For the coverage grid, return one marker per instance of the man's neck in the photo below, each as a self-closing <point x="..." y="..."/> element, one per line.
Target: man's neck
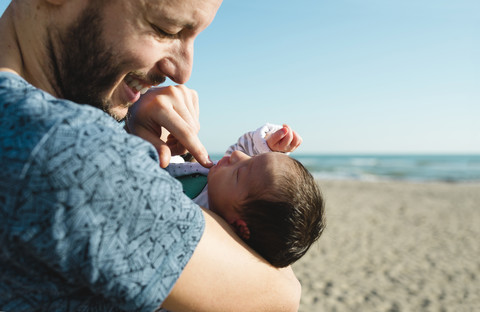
<point x="22" y="50"/>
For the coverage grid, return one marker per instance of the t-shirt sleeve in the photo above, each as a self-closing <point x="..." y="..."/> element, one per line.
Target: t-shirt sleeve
<point x="97" y="209"/>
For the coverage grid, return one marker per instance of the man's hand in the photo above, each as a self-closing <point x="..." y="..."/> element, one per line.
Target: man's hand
<point x="284" y="140"/>
<point x="176" y="109"/>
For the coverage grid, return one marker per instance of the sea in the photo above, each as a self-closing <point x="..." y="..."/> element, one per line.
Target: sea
<point x="379" y="167"/>
<point x="417" y="168"/>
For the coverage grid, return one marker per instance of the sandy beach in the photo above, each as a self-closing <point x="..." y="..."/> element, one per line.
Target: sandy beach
<point x="395" y="246"/>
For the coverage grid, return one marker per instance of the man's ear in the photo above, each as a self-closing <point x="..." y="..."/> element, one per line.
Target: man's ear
<point x="241" y="228"/>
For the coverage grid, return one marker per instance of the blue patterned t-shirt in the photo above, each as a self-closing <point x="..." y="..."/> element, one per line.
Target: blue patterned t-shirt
<point x="89" y="221"/>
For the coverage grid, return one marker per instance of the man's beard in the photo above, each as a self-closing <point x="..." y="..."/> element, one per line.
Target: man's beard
<point x="85" y="69"/>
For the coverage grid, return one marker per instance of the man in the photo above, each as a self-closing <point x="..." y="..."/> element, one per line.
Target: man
<point x="90" y="220"/>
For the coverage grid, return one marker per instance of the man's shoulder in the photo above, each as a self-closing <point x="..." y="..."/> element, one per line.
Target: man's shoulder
<point x="21" y="104"/>
<point x="27" y="114"/>
<point x="35" y="123"/>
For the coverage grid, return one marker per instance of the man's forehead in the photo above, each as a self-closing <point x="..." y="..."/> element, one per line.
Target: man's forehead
<point x="184" y="13"/>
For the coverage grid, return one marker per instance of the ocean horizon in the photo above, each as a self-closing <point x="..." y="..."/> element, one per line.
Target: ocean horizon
<point x="454" y="168"/>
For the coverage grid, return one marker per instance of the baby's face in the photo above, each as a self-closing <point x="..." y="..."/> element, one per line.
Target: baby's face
<point x="231" y="179"/>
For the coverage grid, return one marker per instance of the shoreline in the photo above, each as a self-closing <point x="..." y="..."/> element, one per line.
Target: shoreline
<point x="395" y="246"/>
<point x="394" y="180"/>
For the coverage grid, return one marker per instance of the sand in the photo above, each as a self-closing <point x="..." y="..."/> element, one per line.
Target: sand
<point x="395" y="246"/>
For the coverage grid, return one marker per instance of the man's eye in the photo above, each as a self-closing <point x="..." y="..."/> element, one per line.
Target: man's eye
<point x="163" y="33"/>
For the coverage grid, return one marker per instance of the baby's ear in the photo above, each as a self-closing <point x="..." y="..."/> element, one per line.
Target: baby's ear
<point x="241" y="228"/>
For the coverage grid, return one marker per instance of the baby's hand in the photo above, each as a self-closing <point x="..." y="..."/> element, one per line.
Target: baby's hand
<point x="284" y="140"/>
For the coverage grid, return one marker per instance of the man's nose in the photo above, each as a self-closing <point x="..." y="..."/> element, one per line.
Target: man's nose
<point x="178" y="66"/>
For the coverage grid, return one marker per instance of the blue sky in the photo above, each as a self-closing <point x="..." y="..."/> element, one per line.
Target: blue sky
<point x="351" y="76"/>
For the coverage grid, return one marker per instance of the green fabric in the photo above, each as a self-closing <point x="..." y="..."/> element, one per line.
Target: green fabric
<point x="193" y="184"/>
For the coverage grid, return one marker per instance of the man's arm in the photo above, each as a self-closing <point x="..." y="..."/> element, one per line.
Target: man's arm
<point x="224" y="274"/>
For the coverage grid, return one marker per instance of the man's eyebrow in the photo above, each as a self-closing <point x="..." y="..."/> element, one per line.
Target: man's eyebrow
<point x="179" y="23"/>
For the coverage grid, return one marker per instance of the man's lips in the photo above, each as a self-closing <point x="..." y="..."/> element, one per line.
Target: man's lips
<point x="135" y="87"/>
<point x="137" y="84"/>
<point x="132" y="95"/>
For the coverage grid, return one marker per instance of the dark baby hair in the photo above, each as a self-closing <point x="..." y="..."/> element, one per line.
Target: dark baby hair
<point x="286" y="217"/>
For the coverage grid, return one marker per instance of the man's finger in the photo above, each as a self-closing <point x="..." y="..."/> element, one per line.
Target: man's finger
<point x="191" y="97"/>
<point x="189" y="110"/>
<point x="165" y="155"/>
<point x="188" y="137"/>
<point x="161" y="147"/>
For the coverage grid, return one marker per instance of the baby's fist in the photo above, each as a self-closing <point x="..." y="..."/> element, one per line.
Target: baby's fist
<point x="284" y="140"/>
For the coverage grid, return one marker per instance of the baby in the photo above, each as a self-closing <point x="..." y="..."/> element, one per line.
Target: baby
<point x="269" y="198"/>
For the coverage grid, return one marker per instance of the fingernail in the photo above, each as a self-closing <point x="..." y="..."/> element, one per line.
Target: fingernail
<point x="209" y="161"/>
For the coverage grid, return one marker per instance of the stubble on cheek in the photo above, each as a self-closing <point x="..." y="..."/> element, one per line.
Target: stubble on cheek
<point x="84" y="68"/>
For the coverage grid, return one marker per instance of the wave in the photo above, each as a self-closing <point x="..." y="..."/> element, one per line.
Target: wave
<point x="450" y="168"/>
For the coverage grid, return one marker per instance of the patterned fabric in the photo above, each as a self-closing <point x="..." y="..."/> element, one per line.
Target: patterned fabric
<point x="186" y="168"/>
<point x="89" y="220"/>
